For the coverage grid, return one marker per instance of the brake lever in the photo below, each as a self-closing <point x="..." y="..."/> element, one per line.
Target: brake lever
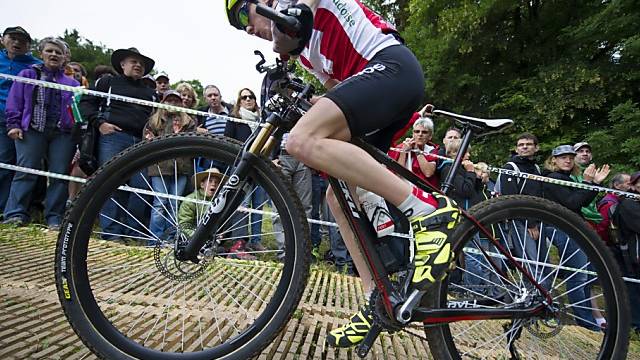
<point x="259" y="66"/>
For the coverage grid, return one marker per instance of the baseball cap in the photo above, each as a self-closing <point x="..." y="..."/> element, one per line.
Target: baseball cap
<point x="635" y="177"/>
<point x="162" y="76"/>
<point x="170" y="93"/>
<point x="577" y="146"/>
<point x="562" y="150"/>
<point x="17" y="30"/>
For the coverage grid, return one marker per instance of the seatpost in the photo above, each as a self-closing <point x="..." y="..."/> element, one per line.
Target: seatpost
<point x="466" y="139"/>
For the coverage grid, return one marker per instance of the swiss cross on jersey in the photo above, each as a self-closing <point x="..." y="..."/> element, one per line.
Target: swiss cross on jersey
<point x="346" y="36"/>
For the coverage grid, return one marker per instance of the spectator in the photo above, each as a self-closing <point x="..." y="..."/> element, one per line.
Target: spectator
<point x="424" y="166"/>
<point x="101" y="71"/>
<point x="216" y="106"/>
<point x="452" y="133"/>
<point x="189" y="96"/>
<point x="191" y="212"/>
<point x="121" y="127"/>
<point x="39" y="121"/>
<point x="162" y="84"/>
<point x="524" y="161"/>
<point x="150" y="82"/>
<point x="465" y="183"/>
<point x="627" y="217"/>
<point x="300" y="176"/>
<point x="479" y="274"/>
<point x="168" y="177"/>
<point x="14" y="58"/>
<point x="583" y="159"/>
<point x="607" y="205"/>
<point x="522" y="243"/>
<point x="79" y="72"/>
<point x="561" y="165"/>
<point x="246" y="108"/>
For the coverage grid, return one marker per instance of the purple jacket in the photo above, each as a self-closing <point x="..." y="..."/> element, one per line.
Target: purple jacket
<point x="20" y="100"/>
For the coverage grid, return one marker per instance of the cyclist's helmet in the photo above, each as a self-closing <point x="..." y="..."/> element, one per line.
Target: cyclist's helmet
<point x="238" y="12"/>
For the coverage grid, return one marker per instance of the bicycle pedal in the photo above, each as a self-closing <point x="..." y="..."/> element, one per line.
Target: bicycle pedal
<point x="365" y="346"/>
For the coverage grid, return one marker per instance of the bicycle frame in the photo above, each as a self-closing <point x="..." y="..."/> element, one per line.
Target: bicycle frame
<point x="363" y="232"/>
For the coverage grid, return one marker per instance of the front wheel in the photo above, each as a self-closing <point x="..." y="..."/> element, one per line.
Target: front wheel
<point x="589" y="315"/>
<point x="124" y="291"/>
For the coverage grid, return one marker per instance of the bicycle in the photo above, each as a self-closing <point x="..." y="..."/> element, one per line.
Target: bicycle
<point x="187" y="296"/>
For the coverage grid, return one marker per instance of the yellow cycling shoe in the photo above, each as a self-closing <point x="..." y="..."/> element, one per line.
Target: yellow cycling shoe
<point x="433" y="255"/>
<point x="354" y="331"/>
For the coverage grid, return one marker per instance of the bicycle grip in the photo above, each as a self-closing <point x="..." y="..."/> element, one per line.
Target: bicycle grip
<point x="290" y="23"/>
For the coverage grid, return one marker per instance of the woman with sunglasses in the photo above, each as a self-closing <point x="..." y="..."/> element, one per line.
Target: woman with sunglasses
<point x="374" y="85"/>
<point x="246" y="108"/>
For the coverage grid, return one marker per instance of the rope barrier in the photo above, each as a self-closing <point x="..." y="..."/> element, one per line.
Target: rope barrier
<point x="535" y="177"/>
<point x="81" y="90"/>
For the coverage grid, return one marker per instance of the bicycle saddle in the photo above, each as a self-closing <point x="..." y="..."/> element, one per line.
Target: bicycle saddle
<point x="483" y="125"/>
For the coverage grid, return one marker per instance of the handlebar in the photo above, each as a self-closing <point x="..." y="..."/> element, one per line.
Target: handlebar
<point x="290" y="23"/>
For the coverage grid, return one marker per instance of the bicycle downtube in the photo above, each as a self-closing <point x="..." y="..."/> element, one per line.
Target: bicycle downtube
<point x="363" y="232"/>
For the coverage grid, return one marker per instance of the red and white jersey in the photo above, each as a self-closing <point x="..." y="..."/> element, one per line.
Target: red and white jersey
<point x="346" y="36"/>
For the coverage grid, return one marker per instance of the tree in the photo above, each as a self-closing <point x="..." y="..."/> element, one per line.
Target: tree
<point x="564" y="70"/>
<point x="86" y="52"/>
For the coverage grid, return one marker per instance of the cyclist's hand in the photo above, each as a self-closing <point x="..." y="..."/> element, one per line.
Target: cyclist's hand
<point x="108" y="128"/>
<point x="601" y="174"/>
<point x="276" y="162"/>
<point x="293" y="43"/>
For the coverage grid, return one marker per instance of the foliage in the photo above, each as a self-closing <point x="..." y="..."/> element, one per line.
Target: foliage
<point x="564" y="70"/>
<point x="86" y="52"/>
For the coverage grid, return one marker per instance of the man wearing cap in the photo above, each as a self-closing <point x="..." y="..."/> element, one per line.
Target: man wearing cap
<point x="162" y="84"/>
<point x="120" y="127"/>
<point x="14" y="58"/>
<point x="627" y="217"/>
<point x="584" y="156"/>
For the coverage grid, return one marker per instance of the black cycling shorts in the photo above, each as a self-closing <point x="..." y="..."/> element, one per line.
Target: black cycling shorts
<point x="379" y="100"/>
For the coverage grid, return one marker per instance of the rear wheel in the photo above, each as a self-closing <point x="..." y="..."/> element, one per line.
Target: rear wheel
<point x="564" y="255"/>
<point x="121" y="286"/>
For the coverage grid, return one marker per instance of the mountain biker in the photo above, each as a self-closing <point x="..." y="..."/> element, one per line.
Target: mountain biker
<point x="374" y="84"/>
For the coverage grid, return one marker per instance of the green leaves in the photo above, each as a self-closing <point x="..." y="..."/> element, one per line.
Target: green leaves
<point x="566" y="71"/>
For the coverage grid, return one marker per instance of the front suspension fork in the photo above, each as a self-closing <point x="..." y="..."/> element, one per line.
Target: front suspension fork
<point x="230" y="197"/>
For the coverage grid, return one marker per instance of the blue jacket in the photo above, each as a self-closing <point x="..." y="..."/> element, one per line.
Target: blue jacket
<point x="12" y="67"/>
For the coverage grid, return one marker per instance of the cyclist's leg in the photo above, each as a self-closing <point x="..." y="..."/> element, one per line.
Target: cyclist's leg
<point x="320" y="140"/>
<point x="350" y="242"/>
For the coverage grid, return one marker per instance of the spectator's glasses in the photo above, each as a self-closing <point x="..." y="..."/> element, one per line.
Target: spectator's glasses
<point x="247" y="97"/>
<point x="426" y="132"/>
<point x="243" y="13"/>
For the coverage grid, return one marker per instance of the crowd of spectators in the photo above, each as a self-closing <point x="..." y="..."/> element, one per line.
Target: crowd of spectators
<point x="35" y="132"/>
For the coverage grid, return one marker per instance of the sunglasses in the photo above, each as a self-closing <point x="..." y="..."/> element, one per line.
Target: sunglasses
<point x="247" y="97"/>
<point x="243" y="13"/>
<point x="421" y="132"/>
